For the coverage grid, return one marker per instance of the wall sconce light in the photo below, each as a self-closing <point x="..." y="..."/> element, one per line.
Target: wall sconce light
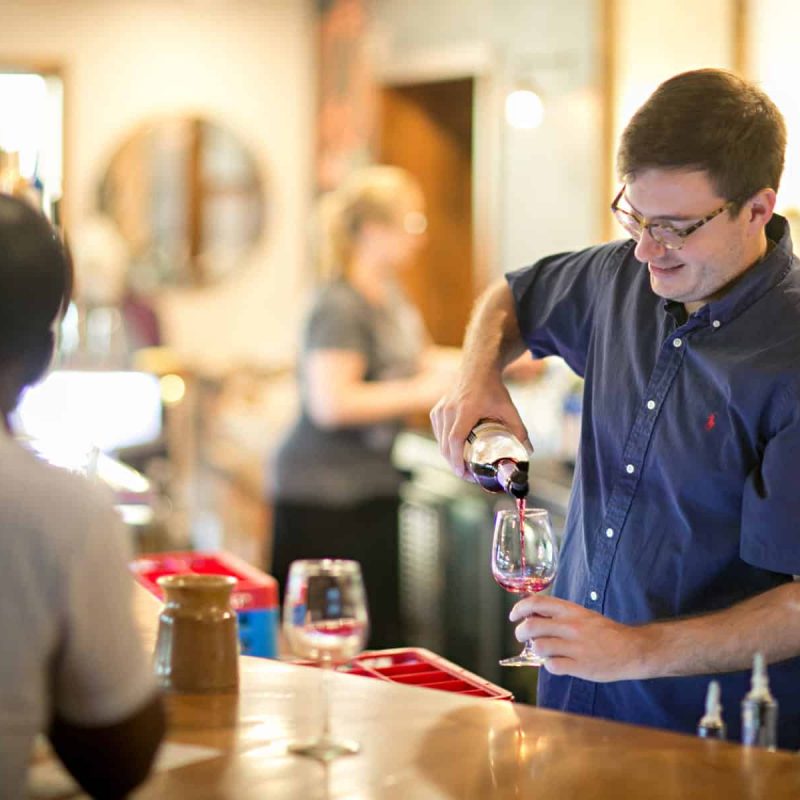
<point x="524" y="107"/>
<point x="553" y="71"/>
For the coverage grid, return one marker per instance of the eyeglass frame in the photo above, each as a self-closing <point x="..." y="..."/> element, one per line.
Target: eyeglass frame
<point x="645" y="225"/>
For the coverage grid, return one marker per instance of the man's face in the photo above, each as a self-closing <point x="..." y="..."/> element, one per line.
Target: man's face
<point x="713" y="255"/>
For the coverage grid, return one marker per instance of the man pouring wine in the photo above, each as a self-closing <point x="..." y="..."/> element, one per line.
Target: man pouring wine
<point x="681" y="536"/>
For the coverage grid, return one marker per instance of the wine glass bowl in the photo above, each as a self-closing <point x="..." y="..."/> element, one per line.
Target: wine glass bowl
<point x="334" y="641"/>
<point x="524" y="560"/>
<point x="325" y="620"/>
<point x="325" y="611"/>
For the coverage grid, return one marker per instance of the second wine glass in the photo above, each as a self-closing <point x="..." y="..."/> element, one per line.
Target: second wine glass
<point x="325" y="620"/>
<point x="524" y="560"/>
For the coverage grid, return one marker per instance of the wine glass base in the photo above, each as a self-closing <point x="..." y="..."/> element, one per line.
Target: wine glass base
<point x="325" y="749"/>
<point x="521" y="661"/>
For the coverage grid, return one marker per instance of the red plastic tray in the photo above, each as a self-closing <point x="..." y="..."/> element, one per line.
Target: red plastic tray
<point x="420" y="667"/>
<point x="254" y="588"/>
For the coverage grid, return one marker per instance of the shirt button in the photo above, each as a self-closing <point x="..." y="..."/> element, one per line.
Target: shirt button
<point x="651" y="404"/>
<point x="609" y="532"/>
<point x="593" y="595"/>
<point x="716" y="323"/>
<point x="630" y="469"/>
<point x="677" y="342"/>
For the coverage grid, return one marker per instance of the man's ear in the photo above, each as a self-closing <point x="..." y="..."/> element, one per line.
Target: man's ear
<point x="761" y="206"/>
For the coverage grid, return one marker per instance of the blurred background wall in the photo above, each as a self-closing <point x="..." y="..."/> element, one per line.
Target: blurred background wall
<point x="247" y="63"/>
<point x="255" y="64"/>
<point x="308" y="89"/>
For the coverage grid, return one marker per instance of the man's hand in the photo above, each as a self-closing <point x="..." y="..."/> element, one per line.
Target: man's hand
<point x="468" y="402"/>
<point x="491" y="342"/>
<point x="585" y="644"/>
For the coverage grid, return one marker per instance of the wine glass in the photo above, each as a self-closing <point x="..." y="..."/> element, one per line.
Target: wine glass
<point x="325" y="620"/>
<point x="524" y="558"/>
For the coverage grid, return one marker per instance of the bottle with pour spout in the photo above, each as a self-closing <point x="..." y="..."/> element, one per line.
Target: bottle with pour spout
<point x="711" y="725"/>
<point x="496" y="459"/>
<point x="760" y="710"/>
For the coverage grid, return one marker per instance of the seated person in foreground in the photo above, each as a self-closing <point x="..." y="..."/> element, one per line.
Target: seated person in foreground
<point x="73" y="665"/>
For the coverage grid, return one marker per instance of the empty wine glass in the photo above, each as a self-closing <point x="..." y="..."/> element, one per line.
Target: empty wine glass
<point x="524" y="558"/>
<point x="325" y="620"/>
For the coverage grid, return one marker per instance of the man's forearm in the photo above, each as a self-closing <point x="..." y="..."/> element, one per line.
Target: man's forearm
<point x="726" y="640"/>
<point x="493" y="339"/>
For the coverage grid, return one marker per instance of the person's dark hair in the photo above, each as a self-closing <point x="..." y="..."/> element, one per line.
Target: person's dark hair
<point x="35" y="287"/>
<point x="709" y="120"/>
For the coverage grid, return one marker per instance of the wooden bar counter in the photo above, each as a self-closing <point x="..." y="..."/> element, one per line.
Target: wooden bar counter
<point x="421" y="743"/>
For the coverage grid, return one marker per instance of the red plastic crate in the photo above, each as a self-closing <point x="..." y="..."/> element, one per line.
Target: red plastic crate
<point x="420" y="667"/>
<point x="254" y="589"/>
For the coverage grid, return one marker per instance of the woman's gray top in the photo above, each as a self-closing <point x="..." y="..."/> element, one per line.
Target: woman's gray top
<point x="347" y="465"/>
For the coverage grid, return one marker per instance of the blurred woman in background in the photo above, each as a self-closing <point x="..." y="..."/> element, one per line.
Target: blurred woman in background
<point x="366" y="364"/>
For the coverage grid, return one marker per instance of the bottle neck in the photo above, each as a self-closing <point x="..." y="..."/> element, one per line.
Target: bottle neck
<point x="513" y="477"/>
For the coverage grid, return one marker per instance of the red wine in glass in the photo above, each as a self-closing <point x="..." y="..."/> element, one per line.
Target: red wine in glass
<point x="521" y="519"/>
<point x="524" y="560"/>
<point x="529" y="584"/>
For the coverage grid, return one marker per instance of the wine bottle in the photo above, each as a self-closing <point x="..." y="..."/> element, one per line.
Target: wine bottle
<point x="496" y="459"/>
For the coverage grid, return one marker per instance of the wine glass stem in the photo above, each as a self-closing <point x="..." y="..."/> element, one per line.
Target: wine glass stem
<point x="327" y="666"/>
<point x="529" y="650"/>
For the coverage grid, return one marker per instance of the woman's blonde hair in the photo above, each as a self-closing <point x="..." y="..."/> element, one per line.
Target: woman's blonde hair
<point x="377" y="193"/>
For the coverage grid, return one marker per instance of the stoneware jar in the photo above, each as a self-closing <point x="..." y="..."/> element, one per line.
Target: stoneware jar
<point x="197" y="649"/>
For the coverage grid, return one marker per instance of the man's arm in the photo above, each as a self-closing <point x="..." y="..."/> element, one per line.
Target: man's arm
<point x="111" y="760"/>
<point x="492" y="341"/>
<point x="583" y="643"/>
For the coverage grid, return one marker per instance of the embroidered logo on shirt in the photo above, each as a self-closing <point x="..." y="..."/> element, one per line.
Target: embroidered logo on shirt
<point x="711" y="421"/>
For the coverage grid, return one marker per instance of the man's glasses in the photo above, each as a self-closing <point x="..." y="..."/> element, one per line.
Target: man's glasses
<point x="662" y="232"/>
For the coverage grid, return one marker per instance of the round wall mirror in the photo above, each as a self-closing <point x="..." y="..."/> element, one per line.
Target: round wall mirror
<point x="186" y="195"/>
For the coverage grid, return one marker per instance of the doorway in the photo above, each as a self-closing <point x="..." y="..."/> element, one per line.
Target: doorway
<point x="32" y="138"/>
<point x="427" y="129"/>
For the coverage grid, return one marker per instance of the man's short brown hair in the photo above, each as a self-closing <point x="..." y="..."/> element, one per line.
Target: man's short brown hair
<point x="709" y="120"/>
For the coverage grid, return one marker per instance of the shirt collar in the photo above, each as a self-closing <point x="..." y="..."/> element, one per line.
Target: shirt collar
<point x="755" y="282"/>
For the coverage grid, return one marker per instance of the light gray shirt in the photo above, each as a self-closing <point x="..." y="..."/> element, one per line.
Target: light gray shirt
<point x="351" y="464"/>
<point x="69" y="644"/>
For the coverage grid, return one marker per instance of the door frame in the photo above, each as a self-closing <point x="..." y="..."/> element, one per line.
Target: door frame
<point x="47" y="68"/>
<point x="478" y="64"/>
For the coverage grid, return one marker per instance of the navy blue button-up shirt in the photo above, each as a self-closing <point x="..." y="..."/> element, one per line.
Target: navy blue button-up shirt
<point x="686" y="496"/>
